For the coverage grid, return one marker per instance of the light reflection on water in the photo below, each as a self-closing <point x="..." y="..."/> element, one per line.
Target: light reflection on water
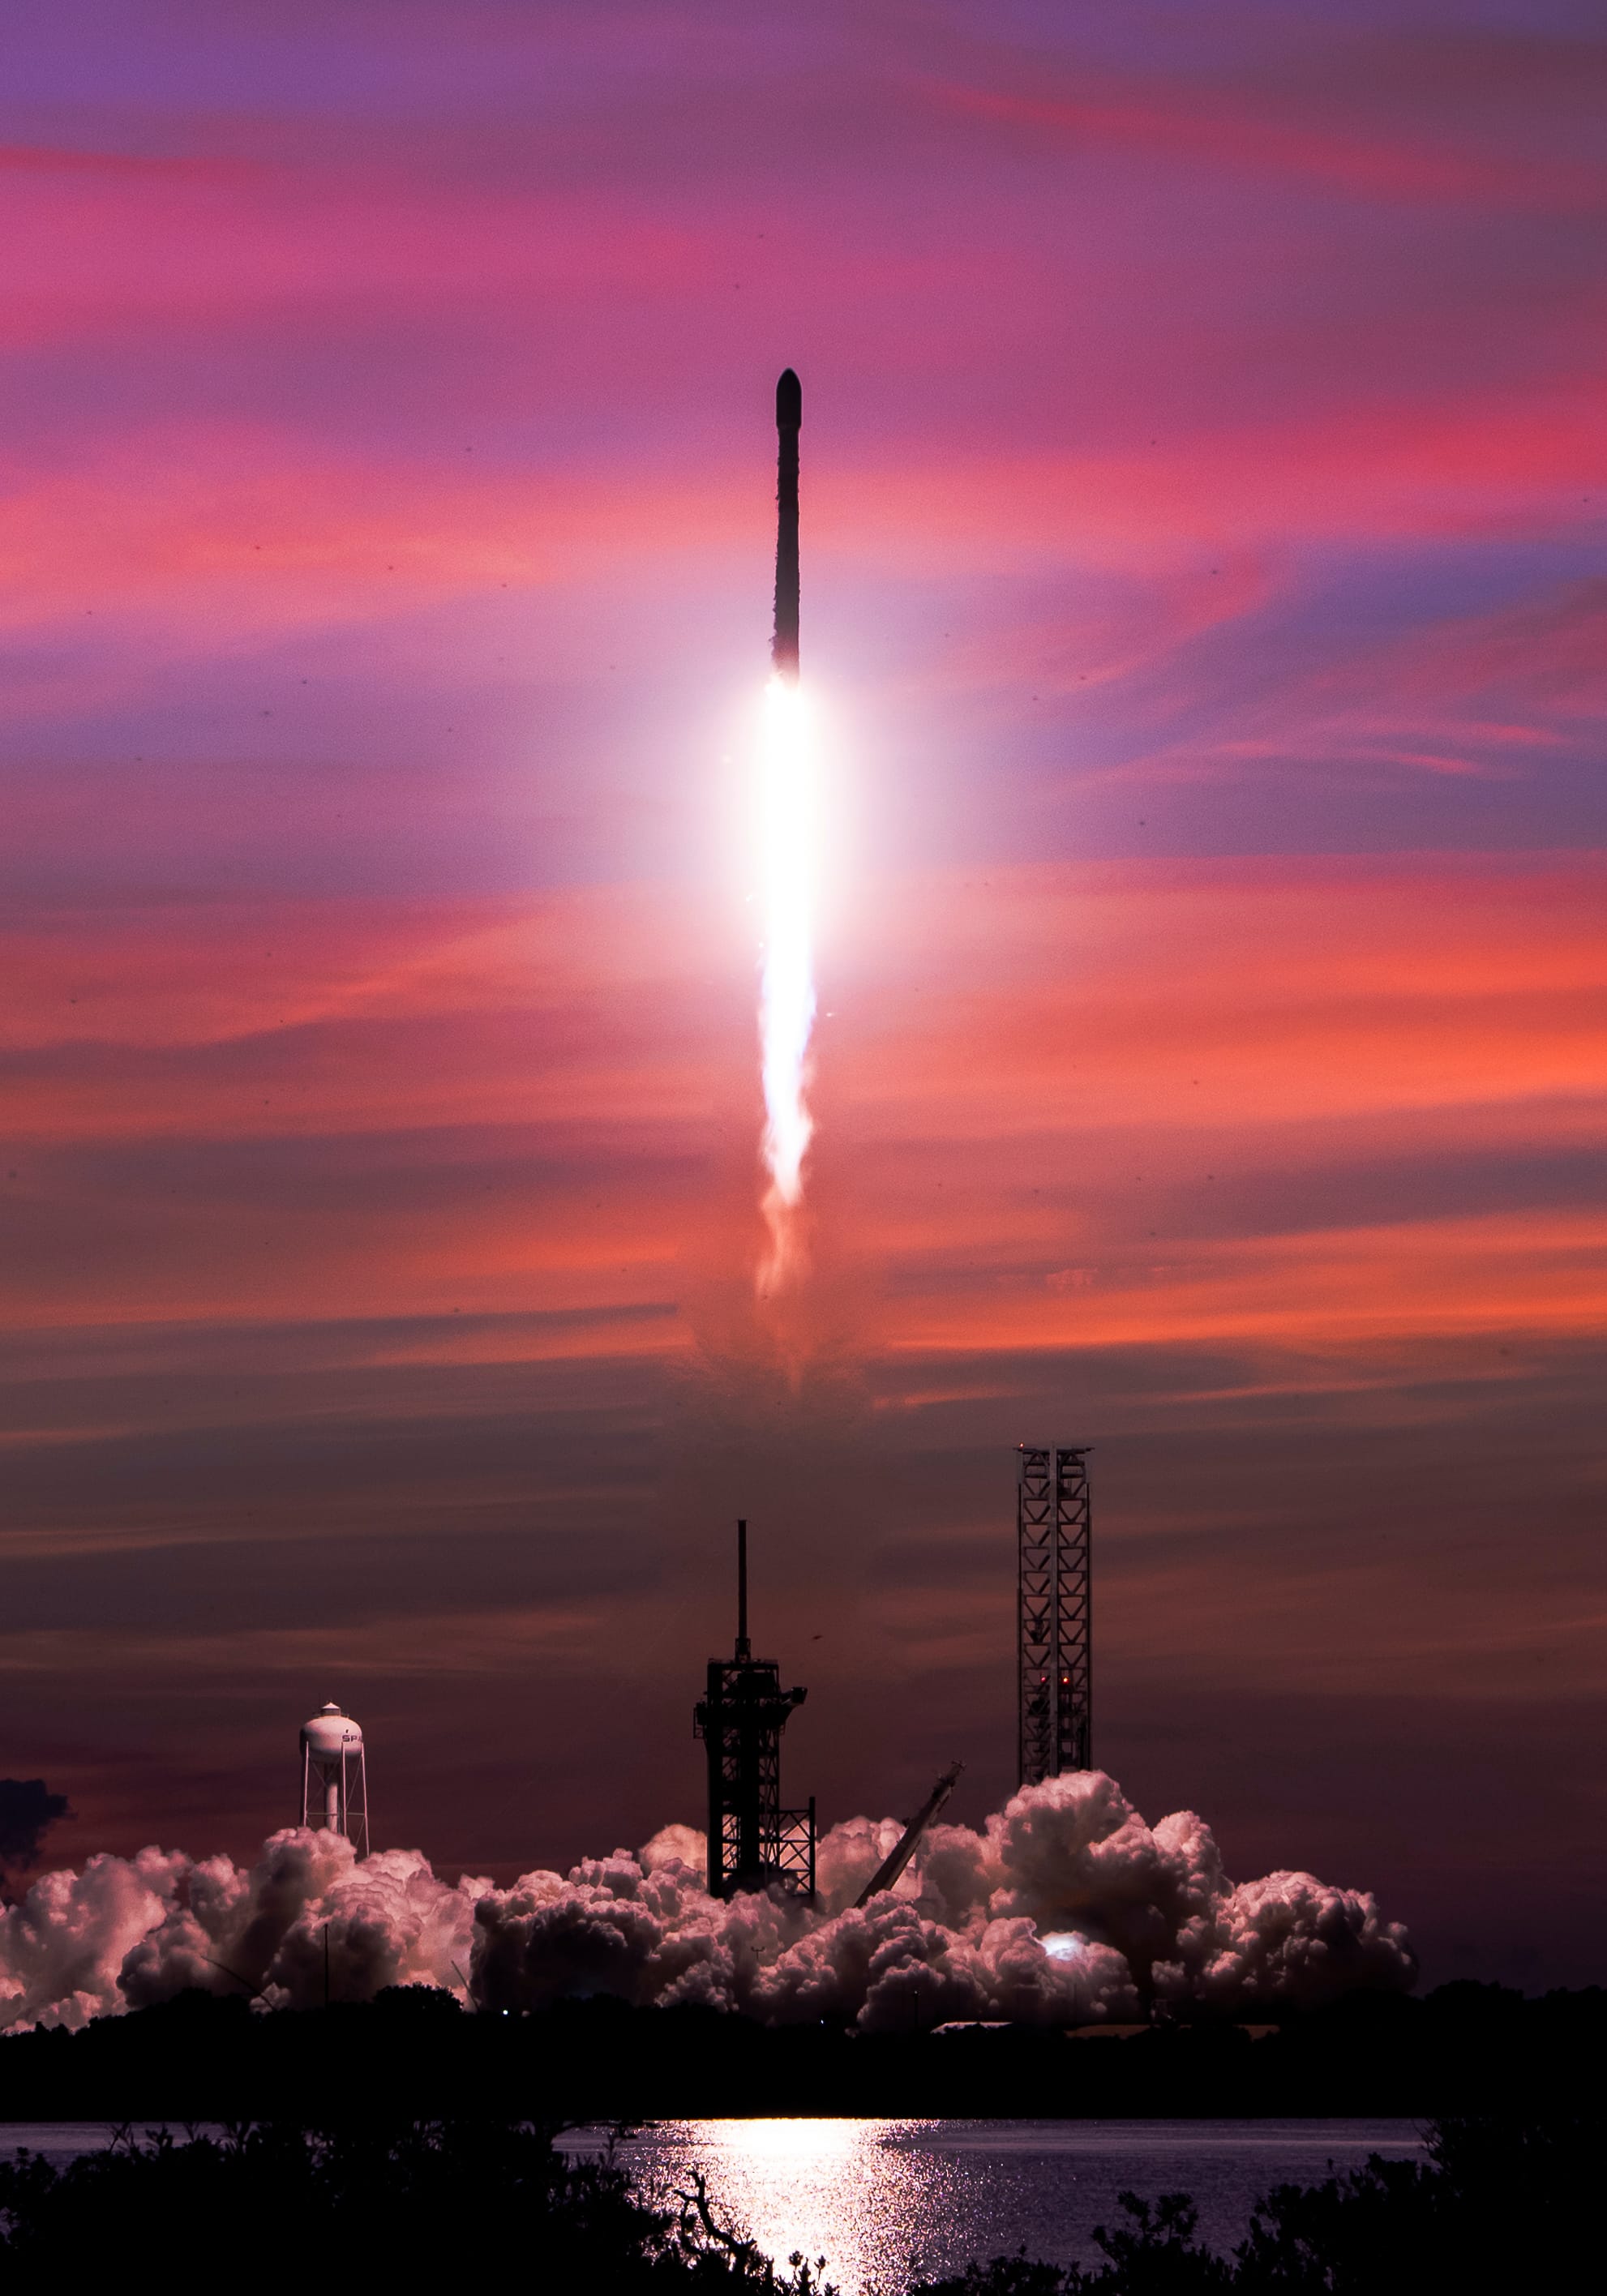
<point x="873" y="2196"/>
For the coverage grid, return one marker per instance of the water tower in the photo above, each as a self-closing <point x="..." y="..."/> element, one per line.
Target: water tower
<point x="334" y="1785"/>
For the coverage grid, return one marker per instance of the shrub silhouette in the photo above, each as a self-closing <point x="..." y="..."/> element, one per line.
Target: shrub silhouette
<point x="266" y="2203"/>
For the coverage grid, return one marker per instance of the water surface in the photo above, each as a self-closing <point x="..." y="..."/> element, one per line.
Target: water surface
<point x="878" y="2198"/>
<point x="873" y="2197"/>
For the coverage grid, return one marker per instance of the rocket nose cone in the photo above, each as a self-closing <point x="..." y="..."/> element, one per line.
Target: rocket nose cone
<point x="789" y="401"/>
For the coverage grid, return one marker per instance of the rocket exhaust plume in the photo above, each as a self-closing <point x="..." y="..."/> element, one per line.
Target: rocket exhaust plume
<point x="787" y="804"/>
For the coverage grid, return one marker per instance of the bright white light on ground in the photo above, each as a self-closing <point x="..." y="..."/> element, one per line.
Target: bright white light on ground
<point x="1062" y="1945"/>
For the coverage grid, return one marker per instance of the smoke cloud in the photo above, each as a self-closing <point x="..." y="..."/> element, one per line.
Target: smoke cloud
<point x="1065" y="1909"/>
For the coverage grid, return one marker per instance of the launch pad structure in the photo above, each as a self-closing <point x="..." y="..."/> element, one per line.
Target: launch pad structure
<point x="1055" y="1612"/>
<point x="752" y="1841"/>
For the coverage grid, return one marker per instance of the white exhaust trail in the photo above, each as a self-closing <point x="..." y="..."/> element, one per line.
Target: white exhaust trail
<point x="787" y="813"/>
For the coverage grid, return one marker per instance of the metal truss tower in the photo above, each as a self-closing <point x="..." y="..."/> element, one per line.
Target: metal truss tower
<point x="752" y="1841"/>
<point x="1054" y="1611"/>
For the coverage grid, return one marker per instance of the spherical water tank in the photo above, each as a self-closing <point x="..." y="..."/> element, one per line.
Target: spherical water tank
<point x="330" y="1733"/>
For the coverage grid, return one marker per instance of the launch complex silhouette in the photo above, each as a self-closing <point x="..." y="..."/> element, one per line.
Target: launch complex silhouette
<point x="755" y="1842"/>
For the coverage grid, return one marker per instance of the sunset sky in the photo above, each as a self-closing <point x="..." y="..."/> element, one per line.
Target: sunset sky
<point x="1203" y="598"/>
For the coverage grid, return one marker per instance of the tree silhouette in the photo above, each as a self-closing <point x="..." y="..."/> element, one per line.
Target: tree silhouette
<point x="408" y="2200"/>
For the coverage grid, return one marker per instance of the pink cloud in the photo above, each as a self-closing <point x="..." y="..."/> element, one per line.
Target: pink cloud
<point x="1069" y="1024"/>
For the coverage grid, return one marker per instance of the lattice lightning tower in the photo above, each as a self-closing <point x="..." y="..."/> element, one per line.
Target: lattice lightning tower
<point x="1055" y="1610"/>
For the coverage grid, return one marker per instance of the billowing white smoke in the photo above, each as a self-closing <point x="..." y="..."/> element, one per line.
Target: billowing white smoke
<point x="128" y="1932"/>
<point x="1066" y="1909"/>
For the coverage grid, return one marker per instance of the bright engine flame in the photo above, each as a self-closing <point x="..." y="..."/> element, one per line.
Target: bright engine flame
<point x="1063" y="1945"/>
<point x="786" y="1012"/>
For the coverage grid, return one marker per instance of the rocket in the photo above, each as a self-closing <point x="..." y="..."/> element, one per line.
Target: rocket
<point x="789" y="417"/>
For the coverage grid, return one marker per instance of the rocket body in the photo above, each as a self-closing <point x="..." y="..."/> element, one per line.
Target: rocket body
<point x="788" y="417"/>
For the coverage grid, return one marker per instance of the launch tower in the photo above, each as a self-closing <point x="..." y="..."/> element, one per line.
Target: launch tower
<point x="1055" y="1612"/>
<point x="752" y="1841"/>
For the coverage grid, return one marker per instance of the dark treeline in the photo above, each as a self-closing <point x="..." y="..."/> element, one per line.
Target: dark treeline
<point x="401" y="2203"/>
<point x="1501" y="2204"/>
<point x="1465" y="2048"/>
